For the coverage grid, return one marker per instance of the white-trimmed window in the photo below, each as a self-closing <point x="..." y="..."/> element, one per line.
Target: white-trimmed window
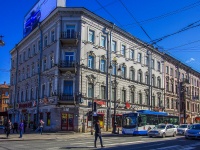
<point x="103" y="65"/>
<point x="132" y="54"/>
<point x="152" y="63"/>
<point x="158" y="65"/>
<point x="91" y="36"/>
<point x="114" y="46"/>
<point x="167" y="69"/>
<point x="103" y="41"/>
<point x="123" y="50"/>
<point x="123" y="68"/>
<point x="52" y="36"/>
<point x="45" y="41"/>
<point x="146" y="60"/>
<point x="70" y="31"/>
<point x="139" y="58"/>
<point x="91" y="62"/>
<point x="44" y="64"/>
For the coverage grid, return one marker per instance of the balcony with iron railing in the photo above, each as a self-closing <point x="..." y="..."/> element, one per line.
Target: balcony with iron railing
<point x="185" y="81"/>
<point x="69" y="38"/>
<point x="66" y="99"/>
<point x="67" y="66"/>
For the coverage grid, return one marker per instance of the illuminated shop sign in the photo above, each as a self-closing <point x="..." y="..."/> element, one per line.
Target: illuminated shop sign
<point x="37" y="14"/>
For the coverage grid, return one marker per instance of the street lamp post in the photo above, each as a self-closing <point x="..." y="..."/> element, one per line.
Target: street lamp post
<point x="115" y="98"/>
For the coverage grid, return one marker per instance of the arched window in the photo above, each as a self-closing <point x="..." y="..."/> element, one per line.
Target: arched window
<point x="123" y="69"/>
<point x="140" y="98"/>
<point x="132" y="74"/>
<point x="153" y="80"/>
<point x="139" y="76"/>
<point x="159" y="82"/>
<point x="146" y="79"/>
<point x="103" y="65"/>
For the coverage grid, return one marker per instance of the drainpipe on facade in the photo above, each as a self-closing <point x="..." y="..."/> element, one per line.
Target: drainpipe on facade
<point x="149" y="53"/>
<point x="39" y="73"/>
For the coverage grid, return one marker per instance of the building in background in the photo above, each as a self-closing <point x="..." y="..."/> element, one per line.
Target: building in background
<point x="74" y="58"/>
<point x="181" y="90"/>
<point x="4" y="102"/>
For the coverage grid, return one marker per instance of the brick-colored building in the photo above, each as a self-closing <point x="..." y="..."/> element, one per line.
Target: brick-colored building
<point x="4" y="101"/>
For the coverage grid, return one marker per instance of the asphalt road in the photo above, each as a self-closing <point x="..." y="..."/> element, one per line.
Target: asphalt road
<point x="85" y="142"/>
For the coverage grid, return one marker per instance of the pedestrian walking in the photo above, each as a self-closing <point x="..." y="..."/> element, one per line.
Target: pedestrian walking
<point x="8" y="127"/>
<point x="98" y="134"/>
<point x="41" y="126"/>
<point x="21" y="128"/>
<point x="15" y="127"/>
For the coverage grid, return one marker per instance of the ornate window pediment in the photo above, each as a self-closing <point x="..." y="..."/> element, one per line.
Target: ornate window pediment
<point x="91" y="78"/>
<point x="103" y="57"/>
<point x="132" y="88"/>
<point x="167" y="78"/>
<point x="146" y="91"/>
<point x="159" y="94"/>
<point x="114" y="84"/>
<point x="91" y="53"/>
<point x="172" y="79"/>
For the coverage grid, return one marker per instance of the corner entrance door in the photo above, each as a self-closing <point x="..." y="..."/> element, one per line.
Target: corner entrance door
<point x="67" y="122"/>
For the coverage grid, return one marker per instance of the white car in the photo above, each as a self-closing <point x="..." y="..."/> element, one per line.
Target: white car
<point x="181" y="129"/>
<point x="163" y="130"/>
<point x="193" y="132"/>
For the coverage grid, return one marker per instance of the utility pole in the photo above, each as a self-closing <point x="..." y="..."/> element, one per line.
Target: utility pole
<point x="150" y="79"/>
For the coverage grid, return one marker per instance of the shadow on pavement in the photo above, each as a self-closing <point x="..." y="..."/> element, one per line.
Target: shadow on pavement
<point x="72" y="147"/>
<point x="152" y="145"/>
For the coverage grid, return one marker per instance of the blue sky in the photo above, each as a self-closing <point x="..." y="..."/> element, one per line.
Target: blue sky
<point x="158" y="18"/>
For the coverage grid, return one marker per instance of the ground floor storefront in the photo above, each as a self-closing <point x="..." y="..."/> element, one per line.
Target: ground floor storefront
<point x="66" y="118"/>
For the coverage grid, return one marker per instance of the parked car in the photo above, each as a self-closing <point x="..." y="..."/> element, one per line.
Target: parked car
<point x="163" y="130"/>
<point x="193" y="132"/>
<point x="181" y="129"/>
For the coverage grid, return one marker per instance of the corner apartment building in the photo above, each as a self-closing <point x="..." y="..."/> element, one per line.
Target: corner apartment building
<point x="74" y="58"/>
<point x="181" y="90"/>
<point x="4" y="101"/>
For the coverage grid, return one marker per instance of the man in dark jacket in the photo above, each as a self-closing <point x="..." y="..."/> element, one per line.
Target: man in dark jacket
<point x="8" y="127"/>
<point x="98" y="134"/>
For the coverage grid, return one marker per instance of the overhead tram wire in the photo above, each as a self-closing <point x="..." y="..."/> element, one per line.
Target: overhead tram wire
<point x="108" y="12"/>
<point x="182" y="45"/>
<point x="111" y="3"/>
<point x="167" y="14"/>
<point x="190" y="26"/>
<point x="135" y="20"/>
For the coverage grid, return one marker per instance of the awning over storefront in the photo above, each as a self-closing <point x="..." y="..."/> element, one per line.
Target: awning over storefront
<point x="100" y="102"/>
<point x="197" y="118"/>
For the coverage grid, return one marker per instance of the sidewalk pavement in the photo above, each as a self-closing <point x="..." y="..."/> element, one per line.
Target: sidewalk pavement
<point x="49" y="136"/>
